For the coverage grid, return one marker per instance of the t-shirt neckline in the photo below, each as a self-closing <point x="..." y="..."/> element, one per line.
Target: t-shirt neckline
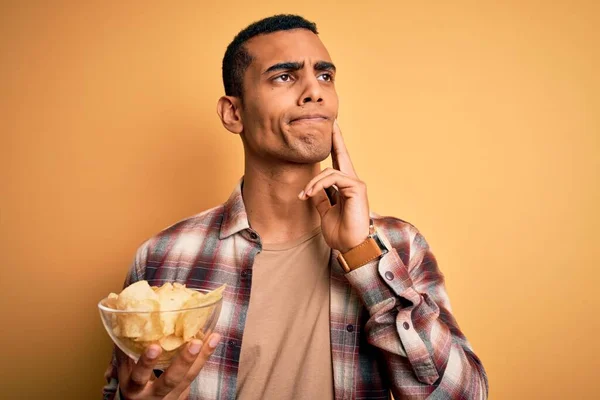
<point x="291" y="244"/>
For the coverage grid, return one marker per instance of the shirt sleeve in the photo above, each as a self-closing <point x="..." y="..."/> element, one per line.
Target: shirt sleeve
<point x="110" y="391"/>
<point x="424" y="350"/>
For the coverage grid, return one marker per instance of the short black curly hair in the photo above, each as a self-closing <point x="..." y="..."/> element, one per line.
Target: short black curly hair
<point x="237" y="59"/>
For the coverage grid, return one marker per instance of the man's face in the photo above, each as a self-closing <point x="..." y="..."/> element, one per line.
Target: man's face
<point x="290" y="102"/>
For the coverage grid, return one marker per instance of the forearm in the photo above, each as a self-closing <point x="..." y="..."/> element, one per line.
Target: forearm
<point x="410" y="322"/>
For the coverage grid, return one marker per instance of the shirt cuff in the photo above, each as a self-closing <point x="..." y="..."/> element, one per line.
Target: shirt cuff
<point x="367" y="282"/>
<point x="388" y="269"/>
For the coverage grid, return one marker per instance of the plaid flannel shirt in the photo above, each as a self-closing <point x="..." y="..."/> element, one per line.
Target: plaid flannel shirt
<point x="390" y="320"/>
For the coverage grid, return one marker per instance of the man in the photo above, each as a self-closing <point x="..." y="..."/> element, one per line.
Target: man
<point x="324" y="300"/>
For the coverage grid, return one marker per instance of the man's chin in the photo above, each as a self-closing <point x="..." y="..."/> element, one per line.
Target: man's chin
<point x="310" y="157"/>
<point x="309" y="146"/>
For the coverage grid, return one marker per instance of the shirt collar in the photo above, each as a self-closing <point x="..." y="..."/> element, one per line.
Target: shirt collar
<point x="235" y="218"/>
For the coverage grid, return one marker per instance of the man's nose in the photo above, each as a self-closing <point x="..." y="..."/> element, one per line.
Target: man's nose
<point x="312" y="92"/>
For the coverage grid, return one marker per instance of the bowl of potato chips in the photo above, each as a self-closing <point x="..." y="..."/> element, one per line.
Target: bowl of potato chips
<point x="170" y="315"/>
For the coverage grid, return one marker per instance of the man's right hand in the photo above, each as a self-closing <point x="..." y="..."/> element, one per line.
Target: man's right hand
<point x="138" y="382"/>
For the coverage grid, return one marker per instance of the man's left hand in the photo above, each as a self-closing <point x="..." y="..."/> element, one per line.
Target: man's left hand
<point x="344" y="224"/>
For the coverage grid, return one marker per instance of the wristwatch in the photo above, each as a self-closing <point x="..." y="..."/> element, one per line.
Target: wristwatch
<point x="369" y="250"/>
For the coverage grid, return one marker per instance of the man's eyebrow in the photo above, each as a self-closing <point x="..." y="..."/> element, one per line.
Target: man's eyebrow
<point x="296" y="66"/>
<point x="288" y="66"/>
<point x="324" y="66"/>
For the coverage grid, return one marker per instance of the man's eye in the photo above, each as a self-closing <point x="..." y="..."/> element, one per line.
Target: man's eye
<point x="326" y="77"/>
<point x="284" y="78"/>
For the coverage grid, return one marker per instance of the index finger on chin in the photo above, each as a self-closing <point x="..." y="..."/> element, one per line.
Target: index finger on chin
<point x="339" y="152"/>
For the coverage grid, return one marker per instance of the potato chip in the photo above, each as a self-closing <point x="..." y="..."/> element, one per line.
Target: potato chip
<point x="166" y="286"/>
<point x="171" y="342"/>
<point x="111" y="301"/>
<point x="135" y="292"/>
<point x="171" y="298"/>
<point x="179" y="325"/>
<point x="191" y="322"/>
<point x="153" y="330"/>
<point x="137" y="346"/>
<point x="143" y="325"/>
<point x="212" y="296"/>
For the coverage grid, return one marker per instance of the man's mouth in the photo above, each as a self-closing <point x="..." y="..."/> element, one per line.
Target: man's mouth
<point x="310" y="118"/>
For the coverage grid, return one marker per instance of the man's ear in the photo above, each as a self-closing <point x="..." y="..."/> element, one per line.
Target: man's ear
<point x="228" y="108"/>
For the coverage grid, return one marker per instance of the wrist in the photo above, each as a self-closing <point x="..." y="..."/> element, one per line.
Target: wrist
<point x="356" y="241"/>
<point x="344" y="250"/>
<point x="370" y="249"/>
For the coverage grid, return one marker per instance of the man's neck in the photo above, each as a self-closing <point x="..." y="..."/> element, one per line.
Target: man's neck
<point x="271" y="201"/>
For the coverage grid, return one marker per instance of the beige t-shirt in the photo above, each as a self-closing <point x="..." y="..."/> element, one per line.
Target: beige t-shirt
<point x="286" y="351"/>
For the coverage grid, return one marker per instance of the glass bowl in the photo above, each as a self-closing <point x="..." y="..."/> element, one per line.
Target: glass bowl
<point x="133" y="331"/>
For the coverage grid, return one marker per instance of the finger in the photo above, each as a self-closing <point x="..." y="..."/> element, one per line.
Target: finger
<point x="321" y="175"/>
<point x="339" y="152"/>
<point x="321" y="202"/>
<point x="174" y="375"/>
<point x="206" y="351"/>
<point x="142" y="371"/>
<point x="185" y="394"/>
<point x="123" y="366"/>
<point x="347" y="186"/>
<point x="178" y="394"/>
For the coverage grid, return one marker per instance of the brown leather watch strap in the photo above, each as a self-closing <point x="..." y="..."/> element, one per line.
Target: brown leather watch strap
<point x="360" y="255"/>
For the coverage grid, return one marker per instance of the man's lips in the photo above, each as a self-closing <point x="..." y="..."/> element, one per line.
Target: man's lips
<point x="310" y="118"/>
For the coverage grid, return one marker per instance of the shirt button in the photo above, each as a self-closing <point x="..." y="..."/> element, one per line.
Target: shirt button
<point x="231" y="343"/>
<point x="350" y="328"/>
<point x="389" y="276"/>
<point x="246" y="273"/>
<point x="253" y="235"/>
<point x="406" y="326"/>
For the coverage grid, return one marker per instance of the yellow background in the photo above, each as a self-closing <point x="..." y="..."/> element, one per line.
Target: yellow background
<point x="479" y="123"/>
